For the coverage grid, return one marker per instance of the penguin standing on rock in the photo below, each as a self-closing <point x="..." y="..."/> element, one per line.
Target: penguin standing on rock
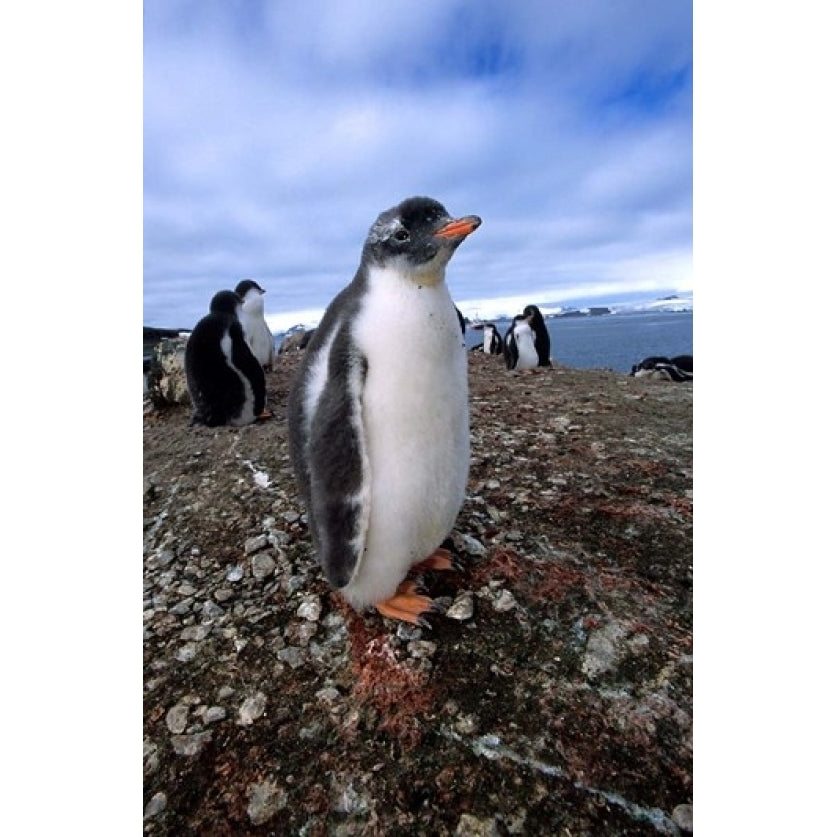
<point x="379" y="439"/>
<point x="519" y="345"/>
<point x="256" y="331"/>
<point x="226" y="383"/>
<point x="535" y="318"/>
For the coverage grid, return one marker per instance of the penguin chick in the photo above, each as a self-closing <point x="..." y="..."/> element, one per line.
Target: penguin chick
<point x="379" y="438"/>
<point x="257" y="333"/>
<point x="224" y="379"/>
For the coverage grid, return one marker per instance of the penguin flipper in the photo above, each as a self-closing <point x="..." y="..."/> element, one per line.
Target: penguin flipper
<point x="338" y="468"/>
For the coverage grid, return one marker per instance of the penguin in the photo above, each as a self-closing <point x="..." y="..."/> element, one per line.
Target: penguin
<point x="519" y="345"/>
<point x="379" y="438"/>
<point x="541" y="334"/>
<point x="225" y="380"/>
<point x="256" y="331"/>
<point x="492" y="343"/>
<point x="678" y="368"/>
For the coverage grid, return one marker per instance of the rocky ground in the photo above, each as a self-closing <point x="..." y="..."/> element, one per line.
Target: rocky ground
<point x="553" y="697"/>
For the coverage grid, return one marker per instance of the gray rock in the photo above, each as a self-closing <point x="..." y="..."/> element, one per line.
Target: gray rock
<point x="210" y="611"/>
<point x="176" y="718"/>
<point x="682" y="817"/>
<point x="462" y="608"/>
<point x="421" y="648"/>
<point x="310" y="609"/>
<point x="252" y="709"/>
<point x="236" y="573"/>
<point x="471" y="826"/>
<point x="265" y="800"/>
<point x="195" y="632"/>
<point x="291" y="655"/>
<point x="214" y="714"/>
<point x="504" y="601"/>
<point x="262" y="565"/>
<point x="156" y="805"/>
<point x="190" y="745"/>
<point x="252" y="545"/>
<point x="467" y="544"/>
<point x="605" y="649"/>
<point x="187" y="652"/>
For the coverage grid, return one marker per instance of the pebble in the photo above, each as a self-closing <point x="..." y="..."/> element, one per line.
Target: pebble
<point x="156" y="805"/>
<point x="190" y="745"/>
<point x="471" y="826"/>
<point x="236" y="573"/>
<point x="462" y="608"/>
<point x="252" y="709"/>
<point x="223" y="594"/>
<point x="187" y="652"/>
<point x="604" y="649"/>
<point x="682" y="817"/>
<point x="505" y="601"/>
<point x="195" y="632"/>
<point x="211" y="611"/>
<point x="421" y="648"/>
<point x="327" y="695"/>
<point x="255" y="544"/>
<point x="310" y="609"/>
<point x="265" y="800"/>
<point x="263" y="565"/>
<point x="465" y="543"/>
<point x="214" y="714"/>
<point x="176" y="718"/>
<point x="291" y="655"/>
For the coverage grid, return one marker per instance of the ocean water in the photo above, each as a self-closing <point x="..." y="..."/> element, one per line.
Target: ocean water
<point x="611" y="341"/>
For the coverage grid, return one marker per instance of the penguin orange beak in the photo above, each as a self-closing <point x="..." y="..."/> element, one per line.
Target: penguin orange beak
<point x="460" y="227"/>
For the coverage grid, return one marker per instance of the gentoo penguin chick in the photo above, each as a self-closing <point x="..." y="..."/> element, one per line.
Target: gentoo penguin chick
<point x="379" y="438"/>
<point x="492" y="343"/>
<point x="541" y="334"/>
<point x="225" y="381"/>
<point x="519" y="345"/>
<point x="256" y="331"/>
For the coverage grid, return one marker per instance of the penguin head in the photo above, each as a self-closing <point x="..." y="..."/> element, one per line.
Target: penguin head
<point x="225" y="302"/>
<point x="533" y="314"/>
<point x="418" y="237"/>
<point x="246" y="285"/>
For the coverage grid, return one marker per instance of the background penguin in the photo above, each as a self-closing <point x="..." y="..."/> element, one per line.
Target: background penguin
<point x="225" y="381"/>
<point x="256" y="331"/>
<point x="519" y="345"/>
<point x="541" y="334"/>
<point x="379" y="438"/>
<point x="678" y="368"/>
<point x="492" y="343"/>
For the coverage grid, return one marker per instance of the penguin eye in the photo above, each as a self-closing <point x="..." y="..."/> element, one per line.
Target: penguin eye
<point x="401" y="235"/>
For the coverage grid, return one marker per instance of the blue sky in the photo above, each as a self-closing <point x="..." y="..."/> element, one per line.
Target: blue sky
<point x="274" y="133"/>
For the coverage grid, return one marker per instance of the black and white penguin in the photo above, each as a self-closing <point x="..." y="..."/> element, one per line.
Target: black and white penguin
<point x="379" y="438"/>
<point x="678" y="368"/>
<point x="492" y="342"/>
<point x="533" y="313"/>
<point x="519" y="345"/>
<point x="225" y="381"/>
<point x="257" y="333"/>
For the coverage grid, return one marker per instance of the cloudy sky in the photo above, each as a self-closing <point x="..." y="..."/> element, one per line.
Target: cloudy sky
<point x="274" y="134"/>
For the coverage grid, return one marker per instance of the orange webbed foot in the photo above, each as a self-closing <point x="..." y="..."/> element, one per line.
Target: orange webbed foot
<point x="441" y="559"/>
<point x="407" y="605"/>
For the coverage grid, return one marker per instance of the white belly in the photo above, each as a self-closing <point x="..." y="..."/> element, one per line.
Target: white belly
<point x="527" y="356"/>
<point x="258" y="337"/>
<point x="415" y="417"/>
